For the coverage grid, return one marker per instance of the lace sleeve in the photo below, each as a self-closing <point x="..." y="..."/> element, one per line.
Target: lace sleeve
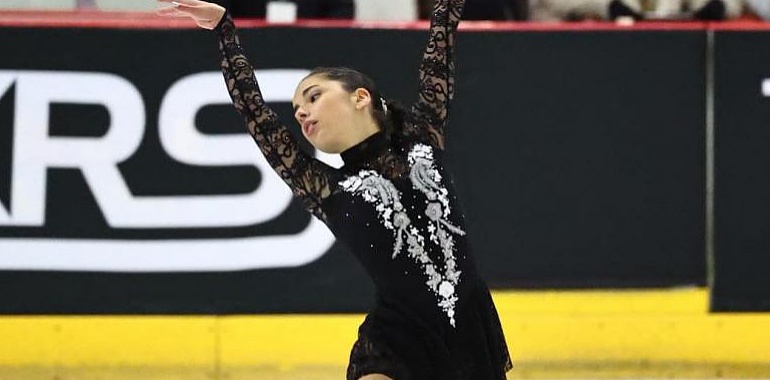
<point x="437" y="71"/>
<point x="308" y="178"/>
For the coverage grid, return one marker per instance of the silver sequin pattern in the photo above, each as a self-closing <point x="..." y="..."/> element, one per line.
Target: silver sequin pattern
<point x="425" y="177"/>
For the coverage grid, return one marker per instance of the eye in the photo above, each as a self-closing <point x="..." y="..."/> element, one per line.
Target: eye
<point x="314" y="97"/>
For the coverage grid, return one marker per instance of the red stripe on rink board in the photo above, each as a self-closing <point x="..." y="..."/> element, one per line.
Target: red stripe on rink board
<point x="148" y="20"/>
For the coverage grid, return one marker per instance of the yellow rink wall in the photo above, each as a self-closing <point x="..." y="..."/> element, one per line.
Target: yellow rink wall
<point x="666" y="333"/>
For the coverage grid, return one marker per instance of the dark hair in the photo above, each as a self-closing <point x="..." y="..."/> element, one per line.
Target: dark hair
<point x="390" y="121"/>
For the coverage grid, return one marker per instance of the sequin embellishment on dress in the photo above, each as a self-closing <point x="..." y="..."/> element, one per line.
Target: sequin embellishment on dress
<point x="375" y="189"/>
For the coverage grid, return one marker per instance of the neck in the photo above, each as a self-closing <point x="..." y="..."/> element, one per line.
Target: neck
<point x="365" y="151"/>
<point x="362" y="132"/>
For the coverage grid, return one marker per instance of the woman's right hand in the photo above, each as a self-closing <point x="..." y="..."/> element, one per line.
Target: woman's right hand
<point x="206" y="15"/>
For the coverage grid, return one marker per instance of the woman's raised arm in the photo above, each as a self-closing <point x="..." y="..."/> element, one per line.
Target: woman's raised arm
<point x="307" y="177"/>
<point x="437" y="71"/>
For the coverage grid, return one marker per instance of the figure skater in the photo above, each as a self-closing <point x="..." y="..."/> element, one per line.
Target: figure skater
<point x="392" y="203"/>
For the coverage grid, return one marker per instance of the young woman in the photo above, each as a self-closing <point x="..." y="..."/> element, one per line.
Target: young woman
<point x="392" y="203"/>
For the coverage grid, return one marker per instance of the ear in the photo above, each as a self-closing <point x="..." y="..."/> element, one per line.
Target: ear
<point x="362" y="98"/>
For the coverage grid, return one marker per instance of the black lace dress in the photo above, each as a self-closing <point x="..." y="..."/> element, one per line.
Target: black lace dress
<point x="393" y="205"/>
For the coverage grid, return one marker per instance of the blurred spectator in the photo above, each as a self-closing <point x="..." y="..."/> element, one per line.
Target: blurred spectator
<point x="39" y="5"/>
<point x="572" y="10"/>
<point x="309" y="9"/>
<point x="760" y="8"/>
<point x="85" y="4"/>
<point x="697" y="9"/>
<point x="548" y="10"/>
<point x="386" y="10"/>
<point x="485" y="9"/>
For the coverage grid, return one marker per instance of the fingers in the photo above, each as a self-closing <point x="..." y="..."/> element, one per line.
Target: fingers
<point x="183" y="2"/>
<point x="170" y="12"/>
<point x="177" y="9"/>
<point x="206" y="15"/>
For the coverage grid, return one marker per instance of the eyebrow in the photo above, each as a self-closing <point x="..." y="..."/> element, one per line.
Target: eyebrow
<point x="304" y="93"/>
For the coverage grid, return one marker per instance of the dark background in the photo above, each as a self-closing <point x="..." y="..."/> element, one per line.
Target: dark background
<point x="742" y="190"/>
<point x="579" y="156"/>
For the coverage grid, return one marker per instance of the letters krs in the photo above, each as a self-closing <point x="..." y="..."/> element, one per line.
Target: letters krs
<point x="35" y="151"/>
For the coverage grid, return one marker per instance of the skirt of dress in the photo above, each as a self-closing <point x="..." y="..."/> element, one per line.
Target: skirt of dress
<point x="397" y="345"/>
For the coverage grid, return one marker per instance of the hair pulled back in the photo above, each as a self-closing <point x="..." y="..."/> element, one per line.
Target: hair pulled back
<point x="388" y="114"/>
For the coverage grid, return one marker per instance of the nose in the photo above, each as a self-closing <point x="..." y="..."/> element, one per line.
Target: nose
<point x="300" y="114"/>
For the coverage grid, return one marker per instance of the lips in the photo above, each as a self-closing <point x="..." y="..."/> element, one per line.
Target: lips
<point x="309" y="127"/>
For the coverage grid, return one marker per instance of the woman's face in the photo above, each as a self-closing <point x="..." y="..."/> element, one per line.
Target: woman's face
<point x="327" y="113"/>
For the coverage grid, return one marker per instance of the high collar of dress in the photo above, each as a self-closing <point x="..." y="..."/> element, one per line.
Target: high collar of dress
<point x="366" y="150"/>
